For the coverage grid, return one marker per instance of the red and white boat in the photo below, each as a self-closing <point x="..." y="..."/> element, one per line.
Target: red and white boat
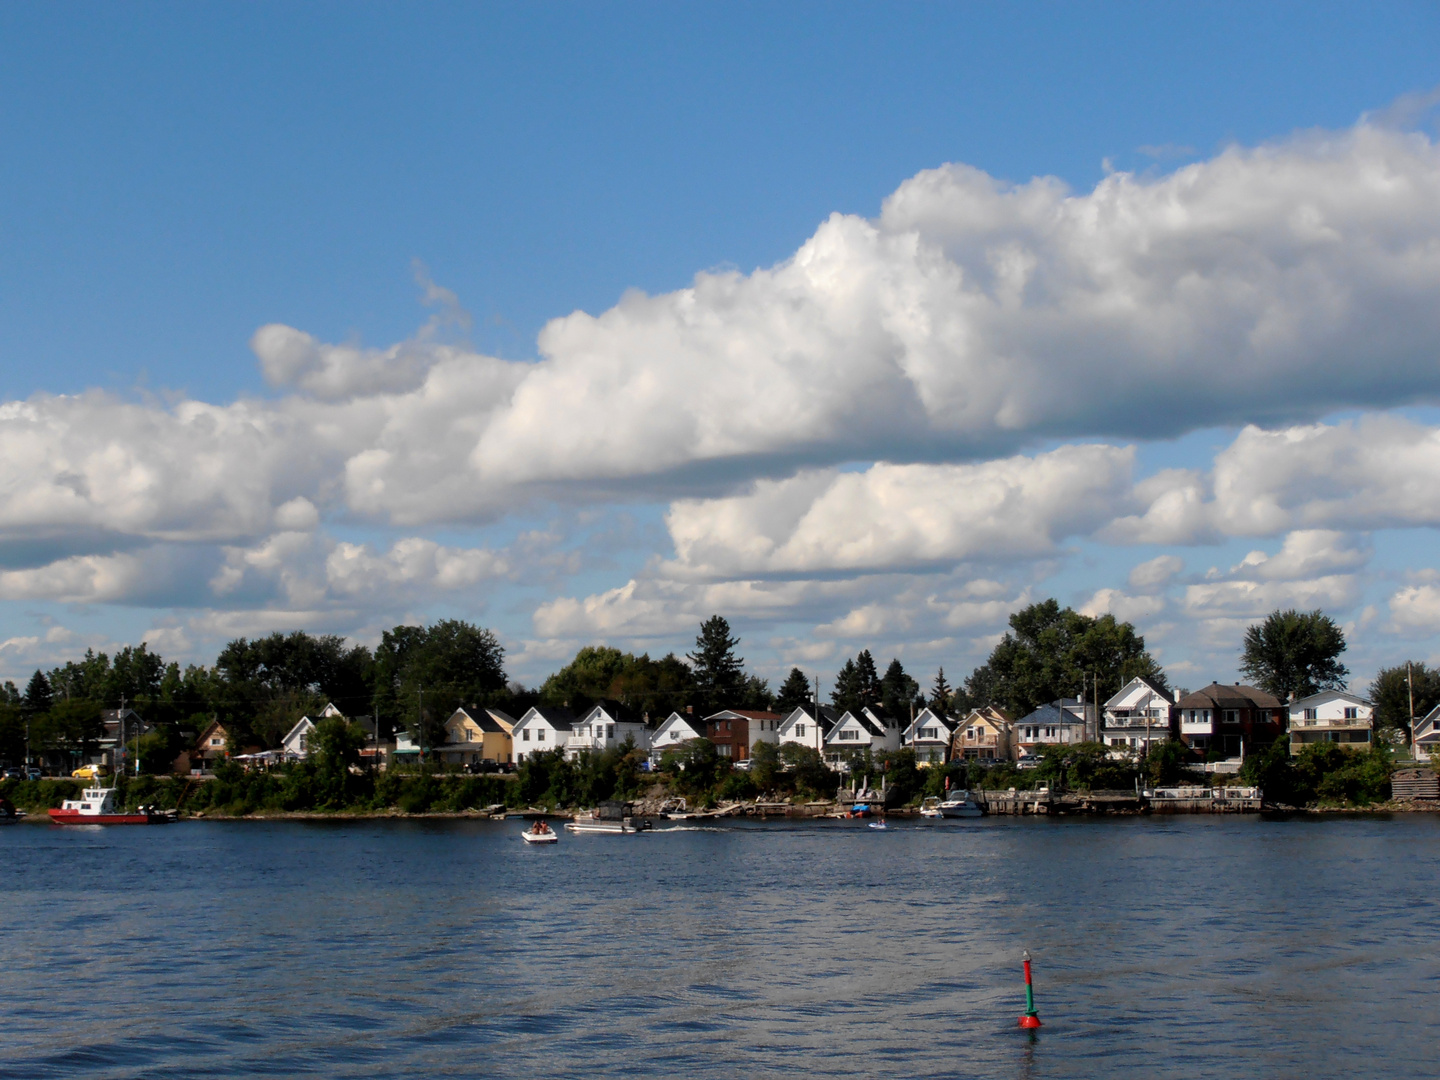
<point x="97" y="807"/>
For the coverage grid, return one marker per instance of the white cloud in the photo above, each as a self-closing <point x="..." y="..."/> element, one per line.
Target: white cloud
<point x="1306" y="553"/>
<point x="1416" y="608"/>
<point x="1123" y="607"/>
<point x="1156" y="572"/>
<point x="894" y="516"/>
<point x="1252" y="599"/>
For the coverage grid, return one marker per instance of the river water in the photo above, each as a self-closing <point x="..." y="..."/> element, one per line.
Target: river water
<point x="1181" y="947"/>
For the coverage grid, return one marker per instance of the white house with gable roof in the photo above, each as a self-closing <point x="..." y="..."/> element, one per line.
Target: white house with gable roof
<point x="603" y="727"/>
<point x="1138" y="717"/>
<point x="543" y="727"/>
<point x="857" y="731"/>
<point x="929" y="736"/>
<point x="674" y="731"/>
<point x="807" y="725"/>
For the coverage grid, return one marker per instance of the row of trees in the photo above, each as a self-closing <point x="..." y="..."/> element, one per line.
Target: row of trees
<point x="417" y="676"/>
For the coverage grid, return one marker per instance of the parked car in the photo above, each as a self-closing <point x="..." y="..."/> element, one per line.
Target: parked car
<point x="12" y="774"/>
<point x="89" y="772"/>
<point x="32" y="773"/>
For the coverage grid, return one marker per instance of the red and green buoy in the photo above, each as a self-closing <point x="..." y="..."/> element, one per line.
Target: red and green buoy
<point x="1031" y="1019"/>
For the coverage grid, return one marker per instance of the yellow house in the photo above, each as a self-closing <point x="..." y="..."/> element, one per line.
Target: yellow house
<point x="471" y="738"/>
<point x="984" y="734"/>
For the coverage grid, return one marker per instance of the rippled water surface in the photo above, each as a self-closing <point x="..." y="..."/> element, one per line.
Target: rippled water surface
<point x="1188" y="947"/>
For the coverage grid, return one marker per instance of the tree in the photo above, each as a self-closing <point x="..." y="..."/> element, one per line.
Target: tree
<point x="598" y="673"/>
<point x="940" y="694"/>
<point x="1294" y="652"/>
<point x="1391" y="692"/>
<point x="1052" y="652"/>
<point x="857" y="686"/>
<point x="898" y="692"/>
<point x="38" y="695"/>
<point x="448" y="664"/>
<point x="808" y="768"/>
<point x="765" y="765"/>
<point x="719" y="673"/>
<point x="794" y="691"/>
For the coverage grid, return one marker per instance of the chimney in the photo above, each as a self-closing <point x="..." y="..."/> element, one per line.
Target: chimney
<point x="689" y="710"/>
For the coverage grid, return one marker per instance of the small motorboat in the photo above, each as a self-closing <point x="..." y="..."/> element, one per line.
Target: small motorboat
<point x="959" y="804"/>
<point x="8" y="814"/>
<point x="96" y="806"/>
<point x="859" y="809"/>
<point x="930" y="807"/>
<point x="540" y="833"/>
<point x="878" y="825"/>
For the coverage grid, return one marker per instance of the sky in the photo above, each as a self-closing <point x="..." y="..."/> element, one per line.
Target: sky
<point x="861" y="325"/>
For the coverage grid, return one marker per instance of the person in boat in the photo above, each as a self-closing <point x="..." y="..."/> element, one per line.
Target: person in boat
<point x="540" y="828"/>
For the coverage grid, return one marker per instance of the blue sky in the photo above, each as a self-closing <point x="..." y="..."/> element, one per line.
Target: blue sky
<point x="176" y="176"/>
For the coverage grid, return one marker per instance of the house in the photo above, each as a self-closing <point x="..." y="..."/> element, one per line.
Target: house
<point x="1139" y="716"/>
<point x="1426" y="736"/>
<point x="736" y="731"/>
<point x="212" y="747"/>
<point x="675" y="730"/>
<point x="117" y="725"/>
<point x="983" y="735"/>
<point x="605" y="726"/>
<point x="477" y="735"/>
<point x="808" y="725"/>
<point x="859" y="731"/>
<point x="1229" y="720"/>
<point x="1061" y="722"/>
<point x="543" y="727"/>
<point x="1331" y="716"/>
<point x="296" y="742"/>
<point x="929" y="736"/>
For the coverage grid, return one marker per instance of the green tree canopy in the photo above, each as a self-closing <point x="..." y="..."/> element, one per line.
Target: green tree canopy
<point x="899" y="692"/>
<point x="794" y="691"/>
<point x="451" y="663"/>
<point x="1390" y="693"/>
<point x="38" y="695"/>
<point x="1294" y="652"/>
<point x="719" y="673"/>
<point x="857" y="685"/>
<point x="1052" y="652"/>
<point x="644" y="686"/>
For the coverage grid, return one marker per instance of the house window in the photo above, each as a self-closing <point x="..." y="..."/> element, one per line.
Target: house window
<point x="1232" y="716"/>
<point x="1049" y="732"/>
<point x="800" y="730"/>
<point x="540" y="735"/>
<point x="723" y="750"/>
<point x="526" y="736"/>
<point x="970" y="734"/>
<point x="1310" y="714"/>
<point x="217" y="741"/>
<point x="849" y="736"/>
<point x="302" y="743"/>
<point x="1352" y="714"/>
<point x="610" y="734"/>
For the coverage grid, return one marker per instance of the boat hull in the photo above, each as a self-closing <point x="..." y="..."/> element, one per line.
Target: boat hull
<point x="599" y="827"/>
<point x="541" y="838"/>
<point x="969" y="811"/>
<point x="76" y="817"/>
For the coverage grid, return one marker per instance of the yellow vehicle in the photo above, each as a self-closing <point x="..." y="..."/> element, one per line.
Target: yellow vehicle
<point x="90" y="772"/>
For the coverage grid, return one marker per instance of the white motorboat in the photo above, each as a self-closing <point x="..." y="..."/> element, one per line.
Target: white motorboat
<point x="878" y="825"/>
<point x="540" y="833"/>
<point x="959" y="804"/>
<point x="930" y="807"/>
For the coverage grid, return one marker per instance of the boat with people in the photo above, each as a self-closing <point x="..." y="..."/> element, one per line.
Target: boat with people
<point x="959" y="804"/>
<point x="879" y="824"/>
<point x="97" y="806"/>
<point x="540" y="833"/>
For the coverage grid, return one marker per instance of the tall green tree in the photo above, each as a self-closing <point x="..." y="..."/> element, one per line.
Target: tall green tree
<point x="38" y="695"/>
<point x="1294" y="652"/>
<point x="899" y="692"/>
<point x="940" y="693"/>
<point x="794" y="691"/>
<point x="845" y="695"/>
<point x="719" y="673"/>
<point x="424" y="673"/>
<point x="1391" y="694"/>
<point x="1052" y="652"/>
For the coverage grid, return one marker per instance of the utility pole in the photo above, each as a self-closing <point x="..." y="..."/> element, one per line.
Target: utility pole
<point x="120" y="757"/>
<point x="420" y="730"/>
<point x="1410" y="682"/>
